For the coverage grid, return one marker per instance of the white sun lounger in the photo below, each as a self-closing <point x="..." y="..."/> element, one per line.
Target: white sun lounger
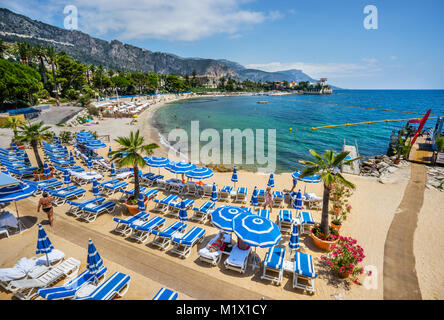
<point x="142" y="232"/>
<point x="225" y="193"/>
<point x="91" y="214"/>
<point x="25" y="289"/>
<point x="273" y="265"/>
<point x="76" y="207"/>
<point x="184" y="244"/>
<point x="30" y="268"/>
<point x="304" y="269"/>
<point x="163" y="237"/>
<point x="116" y="285"/>
<point x="213" y="257"/>
<point x="124" y="225"/>
<point x="306" y="221"/>
<point x="278" y="199"/>
<point x="241" y="195"/>
<point x="238" y="259"/>
<point x="201" y="213"/>
<point x="75" y="287"/>
<point x="176" y="206"/>
<point x="163" y="204"/>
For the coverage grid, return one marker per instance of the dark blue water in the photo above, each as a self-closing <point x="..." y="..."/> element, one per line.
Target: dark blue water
<point x="301" y="113"/>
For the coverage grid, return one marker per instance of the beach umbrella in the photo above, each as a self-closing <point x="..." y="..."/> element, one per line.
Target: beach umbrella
<point x="180" y="167"/>
<point x="109" y="151"/>
<point x="256" y="231"/>
<point x="44" y="245"/>
<point x="293" y="244"/>
<point x="271" y="180"/>
<point x="156" y="162"/>
<point x="254" y="201"/>
<point x="214" y="197"/>
<point x="113" y="170"/>
<point x="94" y="262"/>
<point x="297" y="203"/>
<point x="200" y="173"/>
<point x="26" y="159"/>
<point x="141" y="202"/>
<point x="66" y="177"/>
<point x="183" y="212"/>
<point x="223" y="216"/>
<point x="307" y="179"/>
<point x="234" y="176"/>
<point x="89" y="165"/>
<point x="95" y="188"/>
<point x="46" y="170"/>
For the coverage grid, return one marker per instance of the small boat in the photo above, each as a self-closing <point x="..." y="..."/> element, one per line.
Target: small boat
<point x="262" y="101"/>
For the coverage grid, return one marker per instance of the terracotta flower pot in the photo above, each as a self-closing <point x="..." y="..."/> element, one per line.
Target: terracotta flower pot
<point x="322" y="244"/>
<point x="343" y="275"/>
<point x="134" y="208"/>
<point x="336" y="226"/>
<point x="40" y="176"/>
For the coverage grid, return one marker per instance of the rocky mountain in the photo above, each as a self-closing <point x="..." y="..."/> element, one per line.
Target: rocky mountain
<point x="117" y="55"/>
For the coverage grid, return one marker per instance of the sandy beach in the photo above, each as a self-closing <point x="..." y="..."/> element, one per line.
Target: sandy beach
<point x="374" y="206"/>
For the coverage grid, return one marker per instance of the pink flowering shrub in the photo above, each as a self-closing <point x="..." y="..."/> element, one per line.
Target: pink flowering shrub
<point x="345" y="256"/>
<point x="340" y="206"/>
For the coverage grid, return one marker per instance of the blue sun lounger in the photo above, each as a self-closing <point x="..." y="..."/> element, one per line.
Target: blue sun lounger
<point x="117" y="284"/>
<point x="285" y="220"/>
<point x="108" y="188"/>
<point x="21" y="173"/>
<point x="225" y="193"/>
<point x="274" y="265"/>
<point x="241" y="195"/>
<point x="150" y="194"/>
<point x="264" y="213"/>
<point x="165" y="294"/>
<point x="127" y="193"/>
<point x="163" y="204"/>
<point x="77" y="207"/>
<point x="49" y="184"/>
<point x="163" y="237"/>
<point x="70" y="289"/>
<point x="278" y="199"/>
<point x="184" y="244"/>
<point x="123" y="225"/>
<point x="142" y="232"/>
<point x="176" y="206"/>
<point x="201" y="213"/>
<point x="306" y="221"/>
<point x="90" y="214"/>
<point x="304" y="269"/>
<point x="62" y="195"/>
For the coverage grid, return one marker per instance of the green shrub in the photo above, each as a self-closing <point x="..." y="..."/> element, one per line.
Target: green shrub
<point x="93" y="111"/>
<point x="72" y="94"/>
<point x="440" y="143"/>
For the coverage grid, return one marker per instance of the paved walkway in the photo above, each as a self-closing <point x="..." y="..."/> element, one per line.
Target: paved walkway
<point x="400" y="279"/>
<point x="170" y="274"/>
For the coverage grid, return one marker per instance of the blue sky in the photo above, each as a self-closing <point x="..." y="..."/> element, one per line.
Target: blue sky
<point x="325" y="38"/>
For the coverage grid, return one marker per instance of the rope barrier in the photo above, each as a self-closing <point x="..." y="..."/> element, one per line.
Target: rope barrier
<point x="367" y="122"/>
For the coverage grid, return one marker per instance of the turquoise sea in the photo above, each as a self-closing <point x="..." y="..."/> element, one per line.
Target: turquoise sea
<point x="301" y="113"/>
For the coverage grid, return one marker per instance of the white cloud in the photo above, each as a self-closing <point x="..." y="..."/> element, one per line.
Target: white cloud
<point x="368" y="68"/>
<point x="186" y="20"/>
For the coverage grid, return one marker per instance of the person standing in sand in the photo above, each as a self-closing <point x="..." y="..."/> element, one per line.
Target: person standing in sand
<point x="268" y="199"/>
<point x="46" y="204"/>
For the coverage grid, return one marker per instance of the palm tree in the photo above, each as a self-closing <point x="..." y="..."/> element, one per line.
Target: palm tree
<point x="129" y="154"/>
<point x="34" y="134"/>
<point x="327" y="167"/>
<point x="24" y="50"/>
<point x="50" y="58"/>
<point x="39" y="53"/>
<point x="13" y="123"/>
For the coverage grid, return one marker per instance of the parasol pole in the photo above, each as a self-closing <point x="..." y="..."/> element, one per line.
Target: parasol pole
<point x="19" y="222"/>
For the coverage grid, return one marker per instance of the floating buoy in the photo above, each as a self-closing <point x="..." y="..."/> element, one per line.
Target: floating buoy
<point x="291" y="129"/>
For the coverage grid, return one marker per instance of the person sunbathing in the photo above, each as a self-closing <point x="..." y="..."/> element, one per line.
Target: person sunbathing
<point x="242" y="245"/>
<point x="218" y="244"/>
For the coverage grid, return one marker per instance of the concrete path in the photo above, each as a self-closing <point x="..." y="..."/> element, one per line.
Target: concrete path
<point x="400" y="279"/>
<point x="175" y="276"/>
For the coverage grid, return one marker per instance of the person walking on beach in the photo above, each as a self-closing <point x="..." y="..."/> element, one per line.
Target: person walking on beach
<point x="46" y="204"/>
<point x="268" y="199"/>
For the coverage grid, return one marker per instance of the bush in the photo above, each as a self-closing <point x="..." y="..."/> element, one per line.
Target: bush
<point x="440" y="143"/>
<point x="72" y="94"/>
<point x="92" y="110"/>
